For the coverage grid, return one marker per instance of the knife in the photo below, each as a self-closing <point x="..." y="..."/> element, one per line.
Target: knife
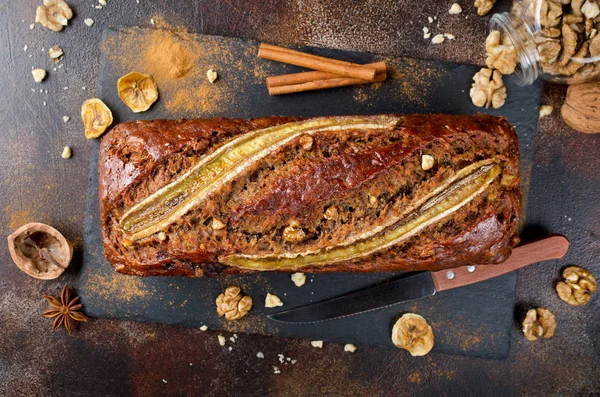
<point x="422" y="284"/>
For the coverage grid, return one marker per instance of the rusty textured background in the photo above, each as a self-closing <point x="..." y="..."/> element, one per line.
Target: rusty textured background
<point x="124" y="358"/>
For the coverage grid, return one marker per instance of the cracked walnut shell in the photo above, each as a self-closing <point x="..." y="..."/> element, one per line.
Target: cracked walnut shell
<point x="138" y="91"/>
<point x="40" y="251"/>
<point x="488" y="89"/>
<point x="96" y="117"/>
<point x="500" y="53"/>
<point x="232" y="304"/>
<point x="539" y="322"/>
<point x="411" y="332"/>
<point x="54" y="14"/>
<point x="577" y="286"/>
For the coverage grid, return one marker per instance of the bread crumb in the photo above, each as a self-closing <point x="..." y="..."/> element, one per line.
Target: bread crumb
<point x="449" y="36"/>
<point x="437" y="39"/>
<point x="221" y="340"/>
<point x="102" y="2"/>
<point x="349" y="347"/>
<point x="66" y="118"/>
<point x="276" y="370"/>
<point x="455" y="9"/>
<point x="272" y="300"/>
<point x="299" y="279"/>
<point x="546" y="110"/>
<point x="88" y="21"/>
<point x="260" y="355"/>
<point x="430" y="19"/>
<point x="203" y="328"/>
<point x="317" y="343"/>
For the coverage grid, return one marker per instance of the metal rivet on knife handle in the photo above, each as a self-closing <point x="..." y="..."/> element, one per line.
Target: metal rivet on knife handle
<point x="471" y="268"/>
<point x="450" y="275"/>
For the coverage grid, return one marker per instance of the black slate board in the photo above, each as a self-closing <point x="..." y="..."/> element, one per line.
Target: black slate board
<point x="474" y="320"/>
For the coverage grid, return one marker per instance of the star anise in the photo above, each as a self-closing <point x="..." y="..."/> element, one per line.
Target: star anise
<point x="65" y="310"/>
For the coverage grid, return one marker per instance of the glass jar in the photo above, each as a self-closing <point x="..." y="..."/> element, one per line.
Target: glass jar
<point x="555" y="42"/>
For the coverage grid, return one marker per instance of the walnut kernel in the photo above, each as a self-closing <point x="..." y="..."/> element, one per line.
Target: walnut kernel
<point x="54" y="14"/>
<point x="55" y="53"/>
<point x="545" y="110"/>
<point x="455" y="9"/>
<point x="38" y="75"/>
<point x="577" y="286"/>
<point x="427" y="162"/>
<point x="66" y="153"/>
<point x="272" y="300"/>
<point x="217" y="224"/>
<point x="299" y="279"/>
<point x="411" y="332"/>
<point x="500" y="53"/>
<point x="539" y="322"/>
<point x="232" y="304"/>
<point x="293" y="234"/>
<point x="212" y="76"/>
<point x="331" y="213"/>
<point x="488" y="89"/>
<point x="349" y="347"/>
<point x="483" y="6"/>
<point x="306" y="142"/>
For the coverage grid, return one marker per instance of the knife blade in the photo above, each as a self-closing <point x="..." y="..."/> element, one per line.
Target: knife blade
<point x="422" y="284"/>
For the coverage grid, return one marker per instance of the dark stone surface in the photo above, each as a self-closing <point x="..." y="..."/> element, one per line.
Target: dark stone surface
<point x="482" y="313"/>
<point x="105" y="357"/>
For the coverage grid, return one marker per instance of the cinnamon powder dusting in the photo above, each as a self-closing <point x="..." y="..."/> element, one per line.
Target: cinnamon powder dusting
<point x="178" y="61"/>
<point x="113" y="286"/>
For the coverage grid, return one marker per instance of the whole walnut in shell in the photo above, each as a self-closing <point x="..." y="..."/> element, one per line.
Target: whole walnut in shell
<point x="539" y="322"/>
<point x="581" y="110"/>
<point x="488" y="89"/>
<point x="232" y="304"/>
<point x="577" y="286"/>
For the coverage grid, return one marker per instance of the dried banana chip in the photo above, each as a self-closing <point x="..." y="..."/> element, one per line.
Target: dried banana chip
<point x="138" y="91"/>
<point x="411" y="332"/>
<point x="96" y="116"/>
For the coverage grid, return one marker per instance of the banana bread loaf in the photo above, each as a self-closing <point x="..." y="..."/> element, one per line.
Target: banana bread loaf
<point x="343" y="193"/>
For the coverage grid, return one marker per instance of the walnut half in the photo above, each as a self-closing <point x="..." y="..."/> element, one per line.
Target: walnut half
<point x="484" y="6"/>
<point x="54" y="14"/>
<point x="488" y="89"/>
<point x="539" y="322"/>
<point x="500" y="53"/>
<point x="232" y="304"/>
<point x="577" y="286"/>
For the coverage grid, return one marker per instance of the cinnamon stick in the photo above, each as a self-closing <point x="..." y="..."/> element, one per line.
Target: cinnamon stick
<point x="380" y="68"/>
<point x="313" y="62"/>
<point x="305" y="77"/>
<point x="322" y="84"/>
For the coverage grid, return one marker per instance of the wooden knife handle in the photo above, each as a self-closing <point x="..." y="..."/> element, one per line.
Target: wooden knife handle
<point x="551" y="247"/>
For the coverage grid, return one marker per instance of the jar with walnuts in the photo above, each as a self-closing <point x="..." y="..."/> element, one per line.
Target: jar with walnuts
<point x="555" y="40"/>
